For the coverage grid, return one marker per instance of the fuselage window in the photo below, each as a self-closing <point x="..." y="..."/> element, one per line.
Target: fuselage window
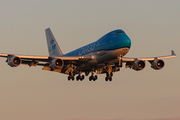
<point x="119" y="32"/>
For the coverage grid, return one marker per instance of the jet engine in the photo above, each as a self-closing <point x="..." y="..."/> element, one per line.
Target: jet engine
<point x="14" y="61"/>
<point x="138" y="65"/>
<point x="56" y="64"/>
<point x="157" y="64"/>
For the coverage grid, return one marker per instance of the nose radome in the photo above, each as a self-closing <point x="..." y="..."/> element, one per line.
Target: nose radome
<point x="127" y="42"/>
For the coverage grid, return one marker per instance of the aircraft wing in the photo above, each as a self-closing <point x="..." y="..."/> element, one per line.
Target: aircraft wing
<point x="126" y="59"/>
<point x="28" y="60"/>
<point x="40" y="58"/>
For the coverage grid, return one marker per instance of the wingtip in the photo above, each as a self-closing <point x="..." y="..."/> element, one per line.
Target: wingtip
<point x="173" y="53"/>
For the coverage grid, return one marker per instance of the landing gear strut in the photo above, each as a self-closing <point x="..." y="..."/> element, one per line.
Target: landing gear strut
<point x="71" y="76"/>
<point x="120" y="60"/>
<point x="109" y="73"/>
<point x="109" y="76"/>
<point x="70" y="71"/>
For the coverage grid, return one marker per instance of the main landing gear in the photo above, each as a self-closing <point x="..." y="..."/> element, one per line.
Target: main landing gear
<point x="70" y="71"/>
<point x="71" y="76"/>
<point x="109" y="73"/>
<point x="92" y="77"/>
<point x="79" y="77"/>
<point x="108" y="69"/>
<point x="109" y="76"/>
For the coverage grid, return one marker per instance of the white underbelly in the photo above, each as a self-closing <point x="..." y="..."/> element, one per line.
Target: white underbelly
<point x="105" y="56"/>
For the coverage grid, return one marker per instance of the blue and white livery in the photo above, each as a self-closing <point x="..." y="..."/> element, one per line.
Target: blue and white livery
<point x="104" y="56"/>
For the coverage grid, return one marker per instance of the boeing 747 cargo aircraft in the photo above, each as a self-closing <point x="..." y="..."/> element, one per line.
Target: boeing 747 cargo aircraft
<point x="103" y="56"/>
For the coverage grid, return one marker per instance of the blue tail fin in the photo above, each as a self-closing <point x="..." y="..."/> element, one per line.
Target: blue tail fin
<point x="53" y="47"/>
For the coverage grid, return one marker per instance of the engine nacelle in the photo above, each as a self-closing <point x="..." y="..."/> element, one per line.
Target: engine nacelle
<point x="138" y="65"/>
<point x="56" y="64"/>
<point x="157" y="64"/>
<point x="14" y="61"/>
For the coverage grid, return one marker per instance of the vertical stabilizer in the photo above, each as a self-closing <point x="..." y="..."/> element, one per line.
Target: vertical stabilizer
<point x="52" y="44"/>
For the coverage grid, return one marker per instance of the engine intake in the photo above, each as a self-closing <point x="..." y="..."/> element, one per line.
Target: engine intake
<point x="157" y="64"/>
<point x="138" y="65"/>
<point x="56" y="64"/>
<point x="14" y="61"/>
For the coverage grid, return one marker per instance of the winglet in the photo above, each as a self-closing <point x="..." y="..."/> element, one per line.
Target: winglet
<point x="173" y="53"/>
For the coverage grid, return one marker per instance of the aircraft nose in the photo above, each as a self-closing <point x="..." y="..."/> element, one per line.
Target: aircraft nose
<point x="127" y="42"/>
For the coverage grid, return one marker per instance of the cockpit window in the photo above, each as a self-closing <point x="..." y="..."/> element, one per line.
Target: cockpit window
<point x="119" y="32"/>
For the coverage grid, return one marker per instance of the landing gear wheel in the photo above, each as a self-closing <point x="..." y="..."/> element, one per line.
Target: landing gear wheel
<point x="82" y="76"/>
<point x="96" y="77"/>
<point x="110" y="78"/>
<point x="72" y="78"/>
<point x="77" y="78"/>
<point x="106" y="78"/>
<point x="90" y="78"/>
<point x="69" y="78"/>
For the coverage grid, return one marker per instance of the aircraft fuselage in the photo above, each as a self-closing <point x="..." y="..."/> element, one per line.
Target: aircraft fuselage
<point x="108" y="47"/>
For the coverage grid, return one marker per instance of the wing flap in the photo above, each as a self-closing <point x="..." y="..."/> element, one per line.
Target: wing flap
<point x="49" y="69"/>
<point x="29" y="63"/>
